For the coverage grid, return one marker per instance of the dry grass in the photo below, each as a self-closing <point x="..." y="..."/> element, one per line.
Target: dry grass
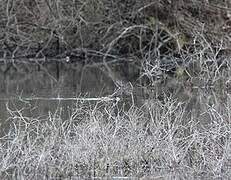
<point x="164" y="139"/>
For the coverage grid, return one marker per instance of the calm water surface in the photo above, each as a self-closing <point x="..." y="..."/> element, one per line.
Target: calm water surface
<point x="88" y="83"/>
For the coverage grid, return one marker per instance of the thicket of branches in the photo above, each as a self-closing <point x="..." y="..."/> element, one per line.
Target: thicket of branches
<point x="115" y="28"/>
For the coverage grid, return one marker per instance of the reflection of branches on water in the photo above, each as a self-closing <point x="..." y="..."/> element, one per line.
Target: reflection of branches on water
<point x="47" y="72"/>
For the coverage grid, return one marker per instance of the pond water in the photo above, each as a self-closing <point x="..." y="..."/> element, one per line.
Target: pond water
<point x="39" y="85"/>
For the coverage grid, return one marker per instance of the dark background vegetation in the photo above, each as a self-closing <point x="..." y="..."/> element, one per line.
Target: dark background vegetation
<point x="92" y="29"/>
